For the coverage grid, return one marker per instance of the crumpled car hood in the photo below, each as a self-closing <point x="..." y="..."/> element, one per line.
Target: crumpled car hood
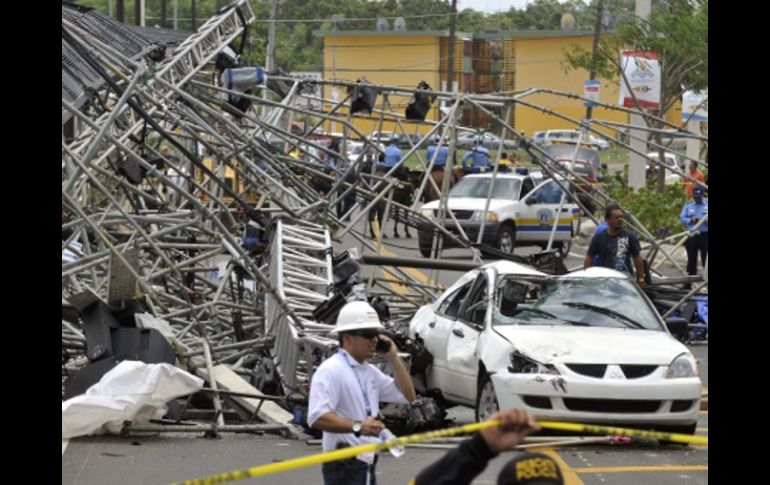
<point x="592" y="345"/>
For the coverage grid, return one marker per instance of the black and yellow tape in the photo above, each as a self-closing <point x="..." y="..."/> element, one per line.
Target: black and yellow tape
<point x="345" y="453"/>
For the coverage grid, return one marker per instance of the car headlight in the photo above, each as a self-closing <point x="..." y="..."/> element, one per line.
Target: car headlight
<point x="683" y="366"/>
<point x="521" y="364"/>
<point x="491" y="216"/>
<point x="427" y="213"/>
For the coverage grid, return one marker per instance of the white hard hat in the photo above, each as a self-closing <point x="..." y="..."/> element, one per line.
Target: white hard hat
<point x="357" y="315"/>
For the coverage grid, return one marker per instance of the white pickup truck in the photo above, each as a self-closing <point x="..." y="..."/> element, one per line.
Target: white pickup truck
<point x="520" y="213"/>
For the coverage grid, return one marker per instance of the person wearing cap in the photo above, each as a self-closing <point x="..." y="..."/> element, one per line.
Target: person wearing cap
<point x="346" y="390"/>
<point x="692" y="213"/>
<point x="461" y="465"/>
<point x="480" y="160"/>
<point x="441" y="157"/>
<point x="392" y="153"/>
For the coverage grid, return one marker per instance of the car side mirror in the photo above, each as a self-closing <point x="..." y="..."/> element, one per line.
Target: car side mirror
<point x="531" y="200"/>
<point x="677" y="325"/>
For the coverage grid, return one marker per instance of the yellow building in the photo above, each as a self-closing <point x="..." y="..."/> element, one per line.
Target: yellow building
<point x="487" y="62"/>
<point x="538" y="61"/>
<point x="392" y="58"/>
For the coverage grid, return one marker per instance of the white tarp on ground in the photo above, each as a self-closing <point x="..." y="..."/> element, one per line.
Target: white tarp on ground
<point x="132" y="391"/>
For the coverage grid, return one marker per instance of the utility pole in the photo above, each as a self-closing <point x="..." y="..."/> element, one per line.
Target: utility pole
<point x="192" y="11"/>
<point x="597" y="29"/>
<point x="139" y="12"/>
<point x="451" y="48"/>
<point x="637" y="163"/>
<point x="269" y="55"/>
<point x="176" y="14"/>
<point x="120" y="11"/>
<point x="269" y="61"/>
<point x="163" y="8"/>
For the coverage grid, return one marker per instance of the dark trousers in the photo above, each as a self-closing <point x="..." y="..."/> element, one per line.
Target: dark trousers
<point x="348" y="472"/>
<point x="344" y="205"/>
<point x="693" y="245"/>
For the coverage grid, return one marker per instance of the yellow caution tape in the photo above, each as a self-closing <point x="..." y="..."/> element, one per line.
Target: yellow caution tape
<point x="633" y="433"/>
<point x="335" y="455"/>
<point x="345" y="453"/>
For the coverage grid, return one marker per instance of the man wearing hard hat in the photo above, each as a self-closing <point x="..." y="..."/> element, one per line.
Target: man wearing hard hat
<point x="346" y="391"/>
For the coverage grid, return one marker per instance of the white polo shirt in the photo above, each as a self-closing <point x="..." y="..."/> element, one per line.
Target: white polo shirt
<point x="336" y="389"/>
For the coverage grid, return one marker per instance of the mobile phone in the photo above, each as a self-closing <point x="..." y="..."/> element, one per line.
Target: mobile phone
<point x="383" y="346"/>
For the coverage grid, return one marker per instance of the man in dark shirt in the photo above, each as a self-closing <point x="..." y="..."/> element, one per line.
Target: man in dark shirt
<point x="616" y="246"/>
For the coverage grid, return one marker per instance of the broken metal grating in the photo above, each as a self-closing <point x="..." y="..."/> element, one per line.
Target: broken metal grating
<point x="590" y="370"/>
<point x="635" y="371"/>
<point x="623" y="406"/>
<point x="682" y="405"/>
<point x="539" y="402"/>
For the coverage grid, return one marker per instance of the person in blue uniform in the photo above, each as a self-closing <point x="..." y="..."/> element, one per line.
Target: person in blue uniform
<point x="443" y="153"/>
<point x="477" y="159"/>
<point x="698" y="242"/>
<point x="392" y="154"/>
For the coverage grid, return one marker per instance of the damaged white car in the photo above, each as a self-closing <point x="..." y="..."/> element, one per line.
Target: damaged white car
<point x="583" y="347"/>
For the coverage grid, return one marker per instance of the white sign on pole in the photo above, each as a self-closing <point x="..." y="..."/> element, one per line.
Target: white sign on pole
<point x="591" y="92"/>
<point x="695" y="106"/>
<point x="642" y="69"/>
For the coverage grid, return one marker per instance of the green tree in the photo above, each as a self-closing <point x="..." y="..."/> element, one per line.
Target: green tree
<point x="677" y="31"/>
<point x="657" y="211"/>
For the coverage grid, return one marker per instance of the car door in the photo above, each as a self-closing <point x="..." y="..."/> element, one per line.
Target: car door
<point x="440" y="328"/>
<point x="462" y="342"/>
<point x="538" y="210"/>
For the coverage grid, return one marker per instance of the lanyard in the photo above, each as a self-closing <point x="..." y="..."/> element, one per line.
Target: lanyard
<point x="360" y="384"/>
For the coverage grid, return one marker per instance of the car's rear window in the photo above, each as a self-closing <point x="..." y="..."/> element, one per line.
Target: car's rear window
<point x="579" y="168"/>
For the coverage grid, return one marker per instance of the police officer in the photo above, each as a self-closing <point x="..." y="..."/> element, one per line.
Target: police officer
<point x="479" y="157"/>
<point x="693" y="212"/>
<point x="346" y="391"/>
<point x="443" y="153"/>
<point x="392" y="153"/>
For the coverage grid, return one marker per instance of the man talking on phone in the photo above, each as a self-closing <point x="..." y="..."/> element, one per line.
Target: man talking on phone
<point x="346" y="390"/>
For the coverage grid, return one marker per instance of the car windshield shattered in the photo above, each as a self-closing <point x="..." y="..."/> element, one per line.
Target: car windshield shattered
<point x="478" y="188"/>
<point x="588" y="302"/>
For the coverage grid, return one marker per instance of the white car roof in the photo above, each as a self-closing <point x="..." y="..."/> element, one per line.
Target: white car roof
<point x="596" y="272"/>
<point x="505" y="267"/>
<point x="655" y="154"/>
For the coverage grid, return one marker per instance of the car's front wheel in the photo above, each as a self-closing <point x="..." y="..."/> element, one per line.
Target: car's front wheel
<point x="563" y="247"/>
<point x="486" y="399"/>
<point x="506" y="239"/>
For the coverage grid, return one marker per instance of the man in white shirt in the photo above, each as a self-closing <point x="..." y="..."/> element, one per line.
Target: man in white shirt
<point x="346" y="391"/>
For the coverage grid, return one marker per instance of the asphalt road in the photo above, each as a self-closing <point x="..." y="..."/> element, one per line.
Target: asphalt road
<point x="168" y="457"/>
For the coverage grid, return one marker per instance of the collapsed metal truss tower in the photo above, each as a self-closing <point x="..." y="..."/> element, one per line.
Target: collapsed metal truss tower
<point x="168" y="227"/>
